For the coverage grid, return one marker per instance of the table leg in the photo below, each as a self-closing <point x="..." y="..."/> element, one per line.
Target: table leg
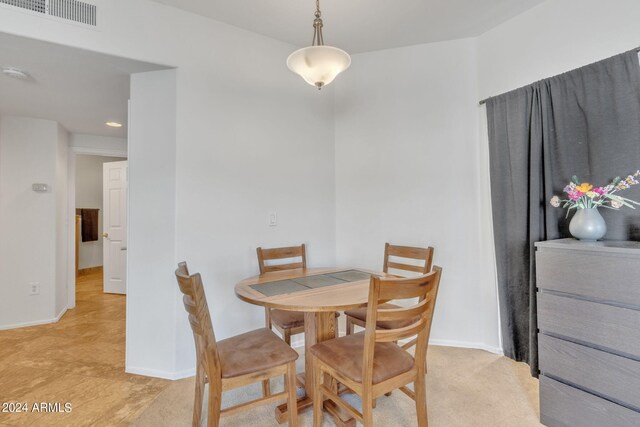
<point x="318" y="327"/>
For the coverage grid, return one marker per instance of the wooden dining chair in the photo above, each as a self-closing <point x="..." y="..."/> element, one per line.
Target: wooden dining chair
<point x="358" y="316"/>
<point x="288" y="323"/>
<point x="370" y="363"/>
<point x="234" y="362"/>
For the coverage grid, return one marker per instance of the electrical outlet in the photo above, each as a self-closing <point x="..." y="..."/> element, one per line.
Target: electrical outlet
<point x="34" y="288"/>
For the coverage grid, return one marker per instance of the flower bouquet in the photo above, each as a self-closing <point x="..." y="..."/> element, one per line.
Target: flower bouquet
<point x="587" y="223"/>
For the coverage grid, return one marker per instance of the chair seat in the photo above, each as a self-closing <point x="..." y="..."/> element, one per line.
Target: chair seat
<point x="289" y="319"/>
<point x="253" y="351"/>
<point x="345" y="354"/>
<point x="361" y="314"/>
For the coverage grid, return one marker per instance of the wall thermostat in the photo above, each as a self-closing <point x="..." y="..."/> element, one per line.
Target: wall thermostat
<point x="40" y="188"/>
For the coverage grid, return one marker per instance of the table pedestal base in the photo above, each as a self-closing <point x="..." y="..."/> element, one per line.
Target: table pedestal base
<point x="341" y="417"/>
<point x="318" y="327"/>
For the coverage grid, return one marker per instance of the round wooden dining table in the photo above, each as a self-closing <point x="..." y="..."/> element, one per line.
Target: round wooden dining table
<point x="319" y="293"/>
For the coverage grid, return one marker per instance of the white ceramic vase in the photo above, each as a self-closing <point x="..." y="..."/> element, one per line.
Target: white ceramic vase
<point x="588" y="225"/>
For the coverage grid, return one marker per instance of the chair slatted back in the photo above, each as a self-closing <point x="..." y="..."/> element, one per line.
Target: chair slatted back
<point x="195" y="303"/>
<point x="425" y="288"/>
<point x="281" y="253"/>
<point x="407" y="252"/>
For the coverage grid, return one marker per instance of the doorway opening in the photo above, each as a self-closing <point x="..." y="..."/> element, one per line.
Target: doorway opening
<point x="101" y="219"/>
<point x="71" y="103"/>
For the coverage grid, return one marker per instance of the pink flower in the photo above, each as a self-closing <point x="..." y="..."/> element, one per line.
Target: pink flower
<point x="575" y="194"/>
<point x="600" y="190"/>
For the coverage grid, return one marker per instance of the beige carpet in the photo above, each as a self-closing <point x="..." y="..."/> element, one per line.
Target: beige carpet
<point x="465" y="388"/>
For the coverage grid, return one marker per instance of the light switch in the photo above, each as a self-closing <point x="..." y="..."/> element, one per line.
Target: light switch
<point x="273" y="219"/>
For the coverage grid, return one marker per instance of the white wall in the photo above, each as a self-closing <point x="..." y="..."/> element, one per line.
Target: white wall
<point x="552" y="38"/>
<point x="32" y="151"/>
<point x="89" y="195"/>
<point x="406" y="138"/>
<point x="152" y="294"/>
<point x="61" y="190"/>
<point x="268" y="146"/>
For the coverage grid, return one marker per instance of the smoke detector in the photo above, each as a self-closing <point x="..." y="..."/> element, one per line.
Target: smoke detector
<point x="15" y="73"/>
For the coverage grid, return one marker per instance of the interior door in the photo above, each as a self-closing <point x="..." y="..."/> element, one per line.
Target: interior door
<point x="114" y="221"/>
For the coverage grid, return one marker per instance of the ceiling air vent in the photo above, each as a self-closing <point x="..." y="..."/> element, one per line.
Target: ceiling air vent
<point x="39" y="6"/>
<point x="72" y="10"/>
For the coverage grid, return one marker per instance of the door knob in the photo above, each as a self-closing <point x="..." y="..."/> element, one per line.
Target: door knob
<point x="105" y="235"/>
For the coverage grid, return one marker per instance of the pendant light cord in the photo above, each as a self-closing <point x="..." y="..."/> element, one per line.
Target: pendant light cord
<point x="318" y="40"/>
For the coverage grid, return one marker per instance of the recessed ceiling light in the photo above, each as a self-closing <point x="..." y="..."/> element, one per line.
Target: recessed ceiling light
<point x="15" y="73"/>
<point x="114" y="124"/>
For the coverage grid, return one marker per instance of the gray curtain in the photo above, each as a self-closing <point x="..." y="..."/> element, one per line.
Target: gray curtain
<point x="586" y="123"/>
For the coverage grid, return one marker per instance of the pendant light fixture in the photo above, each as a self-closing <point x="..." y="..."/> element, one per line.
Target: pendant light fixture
<point x="318" y="64"/>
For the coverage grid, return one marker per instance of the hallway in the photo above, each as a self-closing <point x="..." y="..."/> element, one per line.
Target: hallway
<point x="79" y="360"/>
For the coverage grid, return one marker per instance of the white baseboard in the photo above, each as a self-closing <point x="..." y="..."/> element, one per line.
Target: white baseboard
<point x="465" y="344"/>
<point x="35" y="322"/>
<point x="185" y="374"/>
<point x="62" y="312"/>
<point x="298" y="343"/>
<point x="161" y="374"/>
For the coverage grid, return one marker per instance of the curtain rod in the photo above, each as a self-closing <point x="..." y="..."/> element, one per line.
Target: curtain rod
<point x="484" y="101"/>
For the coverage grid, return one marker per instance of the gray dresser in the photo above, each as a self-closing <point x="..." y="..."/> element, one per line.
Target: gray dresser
<point x="589" y="333"/>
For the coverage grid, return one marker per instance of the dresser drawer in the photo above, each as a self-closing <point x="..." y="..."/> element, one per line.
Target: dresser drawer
<point x="605" y="326"/>
<point x="613" y="377"/>
<point x="562" y="405"/>
<point x="603" y="278"/>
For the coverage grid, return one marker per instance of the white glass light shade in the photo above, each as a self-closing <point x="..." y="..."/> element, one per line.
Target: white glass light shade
<point x="319" y="65"/>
